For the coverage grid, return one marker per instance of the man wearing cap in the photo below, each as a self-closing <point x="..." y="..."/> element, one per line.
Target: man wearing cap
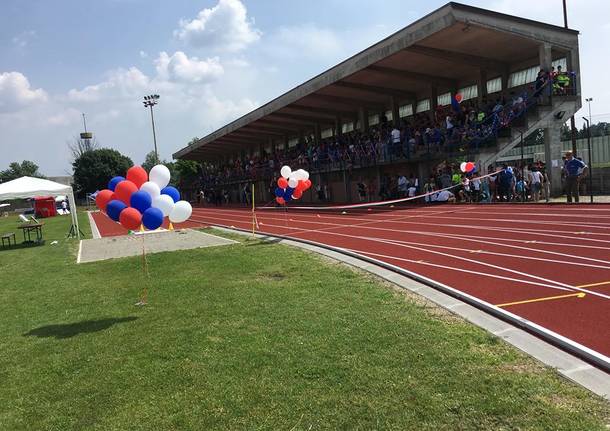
<point x="573" y="169"/>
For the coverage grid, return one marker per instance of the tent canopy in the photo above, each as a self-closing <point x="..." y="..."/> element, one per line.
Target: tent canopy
<point x="29" y="187"/>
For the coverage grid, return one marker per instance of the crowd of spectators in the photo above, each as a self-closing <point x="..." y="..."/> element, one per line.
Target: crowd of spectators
<point x="452" y="130"/>
<point x="448" y="131"/>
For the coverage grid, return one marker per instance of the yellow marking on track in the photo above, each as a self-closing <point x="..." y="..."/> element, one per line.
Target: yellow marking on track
<point x="548" y="298"/>
<point x="593" y="285"/>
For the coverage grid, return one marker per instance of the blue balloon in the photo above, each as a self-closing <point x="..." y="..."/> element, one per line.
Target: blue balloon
<point x="140" y="200"/>
<point x="172" y="192"/>
<point x="288" y="193"/>
<point x="113" y="182"/>
<point x="114" y="208"/>
<point x="279" y="192"/>
<point x="152" y="218"/>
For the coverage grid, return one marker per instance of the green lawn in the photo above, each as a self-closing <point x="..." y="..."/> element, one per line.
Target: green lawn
<point x="252" y="336"/>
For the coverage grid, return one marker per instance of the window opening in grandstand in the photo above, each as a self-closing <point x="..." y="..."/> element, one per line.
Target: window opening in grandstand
<point x="327" y="133"/>
<point x="422" y="106"/>
<point x="523" y="77"/>
<point x="373" y="119"/>
<point x="389" y="115"/>
<point x="357" y="125"/>
<point x="405" y="110"/>
<point x="470" y="92"/>
<point x="494" y="85"/>
<point x="444" y="99"/>
<point x="293" y="142"/>
<point x="348" y="127"/>
<point x="563" y="62"/>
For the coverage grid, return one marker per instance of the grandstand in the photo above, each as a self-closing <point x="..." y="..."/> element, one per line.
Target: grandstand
<point x="338" y="124"/>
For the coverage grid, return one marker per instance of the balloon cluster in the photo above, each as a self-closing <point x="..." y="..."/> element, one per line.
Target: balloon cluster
<point x="468" y="167"/>
<point x="291" y="184"/>
<point x="143" y="199"/>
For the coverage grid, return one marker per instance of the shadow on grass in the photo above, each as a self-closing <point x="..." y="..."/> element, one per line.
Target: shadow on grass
<point x="21" y="245"/>
<point x="264" y="240"/>
<point x="71" y="329"/>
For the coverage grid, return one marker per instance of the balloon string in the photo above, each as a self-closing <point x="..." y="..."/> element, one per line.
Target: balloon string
<point x="144" y="296"/>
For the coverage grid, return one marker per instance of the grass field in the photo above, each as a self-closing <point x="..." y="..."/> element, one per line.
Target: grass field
<point x="255" y="336"/>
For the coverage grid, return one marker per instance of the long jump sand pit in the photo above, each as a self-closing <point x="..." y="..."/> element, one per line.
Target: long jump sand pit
<point x="93" y="250"/>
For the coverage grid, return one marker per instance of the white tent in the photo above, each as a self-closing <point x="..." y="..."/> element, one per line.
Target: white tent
<point x="28" y="187"/>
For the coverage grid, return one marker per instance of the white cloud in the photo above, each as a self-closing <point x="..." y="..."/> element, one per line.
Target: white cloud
<point x="143" y="54"/>
<point x="16" y="93"/>
<point x="121" y="83"/>
<point x="224" y="27"/>
<point x="306" y="41"/>
<point x="22" y="39"/>
<point x="179" y="67"/>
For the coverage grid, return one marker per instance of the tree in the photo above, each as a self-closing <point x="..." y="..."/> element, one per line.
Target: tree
<point x="80" y="146"/>
<point x="150" y="161"/>
<point x="93" y="169"/>
<point x="18" y="170"/>
<point x="187" y="172"/>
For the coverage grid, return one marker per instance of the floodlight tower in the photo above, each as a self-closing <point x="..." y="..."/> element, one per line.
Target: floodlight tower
<point x="149" y="102"/>
<point x="86" y="136"/>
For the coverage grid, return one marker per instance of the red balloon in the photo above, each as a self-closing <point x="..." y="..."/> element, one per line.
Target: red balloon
<point x="280" y="200"/>
<point x="130" y="218"/>
<point x="458" y="98"/>
<point x="469" y="166"/>
<point x="307" y="184"/>
<point x="300" y="186"/>
<point x="282" y="182"/>
<point x="137" y="175"/>
<point x="297" y="193"/>
<point x="103" y="197"/>
<point x="124" y="190"/>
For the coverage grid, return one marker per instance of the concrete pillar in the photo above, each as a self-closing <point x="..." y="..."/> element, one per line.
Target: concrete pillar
<point x="482" y="83"/>
<point x="545" y="57"/>
<point x="433" y="103"/>
<point x="363" y="118"/>
<point x="552" y="155"/>
<point x="286" y="139"/>
<point x="338" y="126"/>
<point x="317" y="133"/>
<point x="395" y="112"/>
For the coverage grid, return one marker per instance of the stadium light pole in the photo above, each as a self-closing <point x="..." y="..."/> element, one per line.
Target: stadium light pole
<point x="590" y="157"/>
<point x="589" y="100"/>
<point x="149" y="102"/>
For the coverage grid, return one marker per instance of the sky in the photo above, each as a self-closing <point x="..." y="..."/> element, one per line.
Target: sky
<point x="211" y="61"/>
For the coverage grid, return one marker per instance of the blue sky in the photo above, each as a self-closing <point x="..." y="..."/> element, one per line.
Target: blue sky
<point x="211" y="61"/>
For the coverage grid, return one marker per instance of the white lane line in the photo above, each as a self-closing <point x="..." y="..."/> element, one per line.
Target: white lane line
<point x="531" y="232"/>
<point x="558" y="285"/>
<point x="538" y="242"/>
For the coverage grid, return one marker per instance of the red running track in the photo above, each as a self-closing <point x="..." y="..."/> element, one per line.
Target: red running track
<point x="549" y="264"/>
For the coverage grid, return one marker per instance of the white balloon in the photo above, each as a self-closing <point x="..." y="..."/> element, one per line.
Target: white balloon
<point x="159" y="175"/>
<point x="305" y="175"/>
<point x="463" y="167"/>
<point x="298" y="174"/>
<point x="293" y="182"/>
<point x="181" y="212"/>
<point x="285" y="171"/>
<point x="165" y="203"/>
<point x="151" y="188"/>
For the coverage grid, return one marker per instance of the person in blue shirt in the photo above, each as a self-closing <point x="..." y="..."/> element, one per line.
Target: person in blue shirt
<point x="573" y="169"/>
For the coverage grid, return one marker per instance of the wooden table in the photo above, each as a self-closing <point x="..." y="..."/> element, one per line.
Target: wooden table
<point x="28" y="228"/>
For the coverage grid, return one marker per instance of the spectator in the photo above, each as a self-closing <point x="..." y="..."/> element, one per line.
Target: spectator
<point x="573" y="169"/>
<point x="362" y="190"/>
<point x="536" y="179"/>
<point x="402" y="186"/>
<point x="505" y="184"/>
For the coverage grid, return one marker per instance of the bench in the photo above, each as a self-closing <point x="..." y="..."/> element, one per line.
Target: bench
<point x="8" y="236"/>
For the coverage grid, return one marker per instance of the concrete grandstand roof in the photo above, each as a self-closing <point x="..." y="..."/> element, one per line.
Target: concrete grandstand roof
<point x="443" y="51"/>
